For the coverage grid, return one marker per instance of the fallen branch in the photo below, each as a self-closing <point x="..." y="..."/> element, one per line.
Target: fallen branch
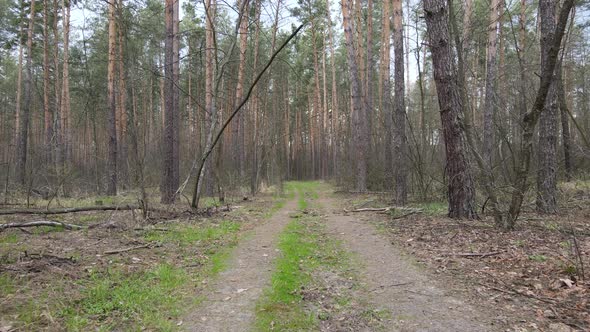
<point x="39" y="223"/>
<point x="69" y="210"/>
<point x="475" y="254"/>
<point x="363" y="192"/>
<point x="386" y="209"/>
<point x="118" y="251"/>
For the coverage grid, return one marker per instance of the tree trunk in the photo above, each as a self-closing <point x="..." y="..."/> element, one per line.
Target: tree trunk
<point x="385" y="94"/>
<point x="565" y="128"/>
<point x="358" y="114"/>
<point x="169" y="185"/>
<point x="461" y="191"/>
<point x="122" y="138"/>
<point x="369" y="74"/>
<point x="547" y="153"/>
<point x="335" y="114"/>
<point x="400" y="145"/>
<point x="24" y="117"/>
<point x="112" y="102"/>
<point x="490" y="89"/>
<point x="46" y="85"/>
<point x="65" y="92"/>
<point x="19" y="81"/>
<point x="57" y="122"/>
<point x="239" y="135"/>
<point x="463" y="59"/>
<point x="551" y="48"/>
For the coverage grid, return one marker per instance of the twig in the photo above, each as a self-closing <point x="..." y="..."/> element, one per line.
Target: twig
<point x="475" y="254"/>
<point x="39" y="223"/>
<point x="118" y="251"/>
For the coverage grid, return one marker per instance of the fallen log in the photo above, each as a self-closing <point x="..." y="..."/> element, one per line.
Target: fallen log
<point x="386" y="209"/>
<point x="69" y="210"/>
<point x="39" y="223"/>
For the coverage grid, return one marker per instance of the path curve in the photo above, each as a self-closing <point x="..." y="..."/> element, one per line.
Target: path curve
<point x="230" y="303"/>
<point x="415" y="300"/>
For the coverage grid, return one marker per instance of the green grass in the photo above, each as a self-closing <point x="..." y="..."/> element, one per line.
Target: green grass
<point x="10" y="238"/>
<point x="277" y="205"/>
<point x="112" y="299"/>
<point x="304" y="249"/>
<point x="305" y="190"/>
<point x="433" y="208"/>
<point x="6" y="285"/>
<point x="281" y="304"/>
<point x="538" y="258"/>
<point x="185" y="235"/>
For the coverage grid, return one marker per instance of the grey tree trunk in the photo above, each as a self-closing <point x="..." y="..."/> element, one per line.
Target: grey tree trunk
<point x="461" y="191"/>
<point x="547" y="150"/>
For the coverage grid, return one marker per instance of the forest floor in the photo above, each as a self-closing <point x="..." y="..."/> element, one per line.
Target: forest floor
<point x="297" y="262"/>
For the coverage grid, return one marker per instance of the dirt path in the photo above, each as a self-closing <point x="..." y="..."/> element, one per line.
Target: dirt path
<point x="231" y="302"/>
<point x="415" y="300"/>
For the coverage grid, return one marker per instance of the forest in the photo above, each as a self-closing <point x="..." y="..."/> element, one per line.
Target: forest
<point x="294" y="165"/>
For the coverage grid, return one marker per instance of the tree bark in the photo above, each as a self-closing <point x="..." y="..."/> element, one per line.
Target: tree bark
<point x="239" y="135"/>
<point x="400" y="145"/>
<point x="461" y="191"/>
<point x="170" y="162"/>
<point x="565" y="133"/>
<point x="369" y="73"/>
<point x="24" y="117"/>
<point x="547" y="153"/>
<point x="112" y="113"/>
<point x="46" y="85"/>
<point x="385" y="94"/>
<point x="358" y="115"/>
<point x="122" y="138"/>
<point x="335" y="114"/>
<point x="490" y="88"/>
<point x="65" y="92"/>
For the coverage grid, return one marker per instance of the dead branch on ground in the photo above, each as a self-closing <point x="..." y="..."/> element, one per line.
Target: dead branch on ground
<point x="118" y="251"/>
<point x="69" y="210"/>
<point x="386" y="209"/>
<point x="40" y="223"/>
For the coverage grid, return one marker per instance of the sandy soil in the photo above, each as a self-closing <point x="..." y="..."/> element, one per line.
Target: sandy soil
<point x="416" y="301"/>
<point x="231" y="299"/>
